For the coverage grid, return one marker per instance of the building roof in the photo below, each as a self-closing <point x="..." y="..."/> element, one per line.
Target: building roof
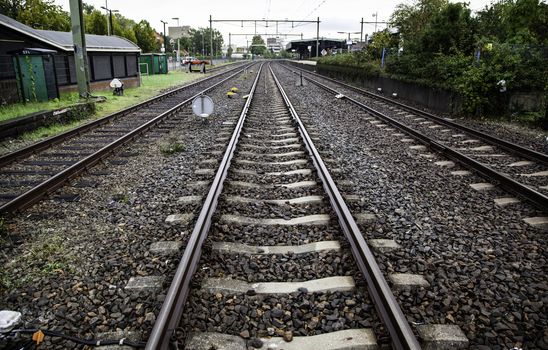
<point x="63" y="40"/>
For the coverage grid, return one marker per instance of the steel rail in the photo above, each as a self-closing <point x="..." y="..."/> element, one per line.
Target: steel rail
<point x="173" y="306"/>
<point x="385" y="302"/>
<point x="511" y="147"/>
<point x="509" y="184"/>
<point x="54" y="140"/>
<point x="36" y="193"/>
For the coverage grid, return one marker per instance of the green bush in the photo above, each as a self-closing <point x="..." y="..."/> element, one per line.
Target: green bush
<point x="523" y="67"/>
<point x="354" y="63"/>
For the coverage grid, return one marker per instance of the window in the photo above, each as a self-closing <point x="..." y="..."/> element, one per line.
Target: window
<point x="101" y="67"/>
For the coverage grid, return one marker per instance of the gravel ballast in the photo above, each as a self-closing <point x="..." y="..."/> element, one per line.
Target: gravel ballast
<point x="66" y="264"/>
<point x="485" y="266"/>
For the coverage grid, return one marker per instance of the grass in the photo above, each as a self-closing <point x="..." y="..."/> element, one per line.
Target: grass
<point x="41" y="258"/>
<point x="170" y="147"/>
<point x="151" y="86"/>
<point x="20" y="109"/>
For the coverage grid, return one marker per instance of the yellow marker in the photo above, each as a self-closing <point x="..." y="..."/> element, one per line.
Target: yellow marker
<point x="234" y="89"/>
<point x="38" y="337"/>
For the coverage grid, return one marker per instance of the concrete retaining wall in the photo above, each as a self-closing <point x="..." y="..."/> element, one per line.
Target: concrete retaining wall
<point x="439" y="100"/>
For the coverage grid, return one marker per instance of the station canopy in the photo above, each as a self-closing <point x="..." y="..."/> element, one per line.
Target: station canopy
<point x="302" y="46"/>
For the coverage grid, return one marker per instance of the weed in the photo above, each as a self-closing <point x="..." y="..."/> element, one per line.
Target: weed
<point x="48" y="255"/>
<point x="121" y="197"/>
<point x="170" y="147"/>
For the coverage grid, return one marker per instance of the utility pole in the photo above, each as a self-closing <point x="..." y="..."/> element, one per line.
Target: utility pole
<point x="376" y="22"/>
<point x="318" y="38"/>
<point x="348" y="42"/>
<point x="80" y="53"/>
<point x="361" y="31"/>
<point x="165" y="37"/>
<point x="211" y="39"/>
<point x="108" y="26"/>
<point x="110" y="18"/>
<point x="178" y="44"/>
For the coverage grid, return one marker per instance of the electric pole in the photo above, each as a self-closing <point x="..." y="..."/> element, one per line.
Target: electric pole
<point x="211" y="39"/>
<point x="79" y="44"/>
<point x="165" y="37"/>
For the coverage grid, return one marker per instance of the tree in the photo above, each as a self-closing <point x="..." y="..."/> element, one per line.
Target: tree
<point x="96" y="23"/>
<point x="258" y="46"/>
<point x="11" y="8"/>
<point x="380" y="40"/>
<point x="411" y="20"/>
<point x="449" y="30"/>
<point x="145" y="36"/>
<point x="200" y="41"/>
<point x="44" y="14"/>
<point x="123" y="27"/>
<point x="87" y="8"/>
<point x="526" y="19"/>
<point x="285" y="54"/>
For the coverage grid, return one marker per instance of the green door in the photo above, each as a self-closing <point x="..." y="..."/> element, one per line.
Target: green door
<point x="164" y="71"/>
<point x="156" y="59"/>
<point x="146" y="59"/>
<point x="31" y="77"/>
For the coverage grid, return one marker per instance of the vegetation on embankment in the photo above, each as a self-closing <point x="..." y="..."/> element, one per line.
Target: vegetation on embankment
<point x="444" y="45"/>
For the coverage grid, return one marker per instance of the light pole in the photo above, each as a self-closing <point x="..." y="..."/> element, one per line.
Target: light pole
<point x="203" y="43"/>
<point x="348" y="42"/>
<point x="111" y="27"/>
<point x="376" y="15"/>
<point x="178" y="44"/>
<point x="165" y="37"/>
<point x="108" y="26"/>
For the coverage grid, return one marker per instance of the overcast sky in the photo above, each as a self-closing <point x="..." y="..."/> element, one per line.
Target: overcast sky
<point x="335" y="15"/>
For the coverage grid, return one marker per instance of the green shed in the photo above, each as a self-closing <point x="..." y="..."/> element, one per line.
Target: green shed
<point x="156" y="63"/>
<point x="35" y="74"/>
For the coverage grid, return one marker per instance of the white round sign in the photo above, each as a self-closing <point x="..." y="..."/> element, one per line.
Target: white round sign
<point x="115" y="83"/>
<point x="203" y="106"/>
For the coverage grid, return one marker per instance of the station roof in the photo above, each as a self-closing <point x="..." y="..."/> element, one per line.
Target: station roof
<point x="307" y="42"/>
<point x="63" y="40"/>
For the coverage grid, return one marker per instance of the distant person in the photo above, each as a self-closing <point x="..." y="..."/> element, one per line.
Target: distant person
<point x="203" y="68"/>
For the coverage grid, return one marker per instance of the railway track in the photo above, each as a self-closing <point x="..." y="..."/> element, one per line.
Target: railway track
<point x="517" y="169"/>
<point x="37" y="170"/>
<point x="276" y="259"/>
